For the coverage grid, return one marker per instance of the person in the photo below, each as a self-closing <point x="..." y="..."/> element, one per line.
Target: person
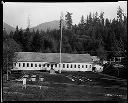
<point x="24" y="82"/>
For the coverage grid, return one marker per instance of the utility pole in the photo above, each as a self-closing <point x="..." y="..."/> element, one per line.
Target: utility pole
<point x="28" y="22"/>
<point x="118" y="68"/>
<point x="7" y="67"/>
<point x="61" y="26"/>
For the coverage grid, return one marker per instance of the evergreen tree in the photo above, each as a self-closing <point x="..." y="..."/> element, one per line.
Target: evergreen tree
<point x="68" y="18"/>
<point x="120" y="14"/>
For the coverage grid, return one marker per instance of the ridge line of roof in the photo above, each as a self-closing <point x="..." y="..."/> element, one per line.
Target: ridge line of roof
<point x="50" y="53"/>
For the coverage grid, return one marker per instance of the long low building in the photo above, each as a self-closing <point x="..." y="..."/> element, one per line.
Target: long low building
<point x="44" y="61"/>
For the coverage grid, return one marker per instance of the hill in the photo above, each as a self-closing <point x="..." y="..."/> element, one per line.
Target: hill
<point x="47" y="26"/>
<point x="8" y="28"/>
<point x="43" y="26"/>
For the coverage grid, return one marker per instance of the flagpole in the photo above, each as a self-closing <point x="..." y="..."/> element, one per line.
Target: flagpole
<point x="61" y="18"/>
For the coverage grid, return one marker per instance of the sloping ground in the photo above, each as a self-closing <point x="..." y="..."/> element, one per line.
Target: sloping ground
<point x="58" y="87"/>
<point x="8" y="28"/>
<point x="47" y="26"/>
<point x="61" y="93"/>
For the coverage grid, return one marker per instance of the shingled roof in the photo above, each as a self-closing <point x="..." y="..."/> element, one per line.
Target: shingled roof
<point x="51" y="57"/>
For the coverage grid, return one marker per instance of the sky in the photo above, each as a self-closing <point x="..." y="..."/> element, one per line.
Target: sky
<point x="17" y="13"/>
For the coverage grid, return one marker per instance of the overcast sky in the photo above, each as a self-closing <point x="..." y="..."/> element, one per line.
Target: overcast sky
<point x="16" y="13"/>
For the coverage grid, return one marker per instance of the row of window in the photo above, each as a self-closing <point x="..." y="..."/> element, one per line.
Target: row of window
<point x="48" y="65"/>
<point x="29" y="65"/>
<point x="74" y="66"/>
<point x="68" y="66"/>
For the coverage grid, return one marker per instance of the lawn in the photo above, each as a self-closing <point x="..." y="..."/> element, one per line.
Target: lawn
<point x="60" y="87"/>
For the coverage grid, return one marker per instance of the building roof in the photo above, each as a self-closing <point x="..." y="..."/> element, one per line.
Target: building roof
<point x="51" y="57"/>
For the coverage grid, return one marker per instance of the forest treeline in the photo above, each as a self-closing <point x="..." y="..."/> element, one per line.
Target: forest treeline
<point x="94" y="34"/>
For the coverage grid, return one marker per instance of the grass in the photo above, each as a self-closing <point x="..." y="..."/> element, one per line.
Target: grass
<point x="59" y="91"/>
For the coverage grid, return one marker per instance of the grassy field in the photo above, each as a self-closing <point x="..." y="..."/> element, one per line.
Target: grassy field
<point x="60" y="87"/>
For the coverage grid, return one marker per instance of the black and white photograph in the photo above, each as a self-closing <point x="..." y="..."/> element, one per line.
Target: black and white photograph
<point x="64" y="51"/>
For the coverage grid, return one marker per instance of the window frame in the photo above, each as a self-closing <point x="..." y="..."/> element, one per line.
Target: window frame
<point x="39" y="65"/>
<point x="63" y="65"/>
<point x="75" y="66"/>
<point x="71" y="66"/>
<point x="23" y="64"/>
<point x="55" y="65"/>
<point x="86" y="66"/>
<point x="35" y="65"/>
<point x="90" y="66"/>
<point x="48" y="65"/>
<point x="27" y="64"/>
<point x="67" y="65"/>
<point x="78" y="65"/>
<point x="31" y="64"/>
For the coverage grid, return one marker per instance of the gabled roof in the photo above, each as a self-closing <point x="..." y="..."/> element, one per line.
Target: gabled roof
<point x="51" y="57"/>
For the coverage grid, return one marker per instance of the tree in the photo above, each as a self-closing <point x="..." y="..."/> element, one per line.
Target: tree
<point x="68" y="18"/>
<point x="37" y="42"/>
<point x="9" y="48"/>
<point x="120" y="14"/>
<point x="82" y="20"/>
<point x="16" y="34"/>
<point x="101" y="53"/>
<point x="81" y="25"/>
<point x="102" y="18"/>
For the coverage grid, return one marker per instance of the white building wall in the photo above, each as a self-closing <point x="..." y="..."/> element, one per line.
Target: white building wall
<point x="28" y="66"/>
<point x="57" y="67"/>
<point x="78" y="67"/>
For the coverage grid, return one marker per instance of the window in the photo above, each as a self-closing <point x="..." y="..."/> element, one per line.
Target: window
<point x="67" y="66"/>
<point x="19" y="64"/>
<point x="78" y="66"/>
<point x="48" y="65"/>
<point x="59" y="65"/>
<point x="27" y="64"/>
<point x="82" y="66"/>
<point x="35" y="65"/>
<point x="71" y="65"/>
<point x="39" y="65"/>
<point x="31" y="65"/>
<point x="14" y="64"/>
<point x="86" y="66"/>
<point x="90" y="66"/>
<point x="55" y="65"/>
<point x="51" y="65"/>
<point x="74" y="66"/>
<point x="44" y="65"/>
<point x="63" y="65"/>
<point x="23" y="64"/>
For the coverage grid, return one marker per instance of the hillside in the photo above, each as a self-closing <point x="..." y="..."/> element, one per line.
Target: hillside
<point x="47" y="26"/>
<point x="8" y="28"/>
<point x="43" y="26"/>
